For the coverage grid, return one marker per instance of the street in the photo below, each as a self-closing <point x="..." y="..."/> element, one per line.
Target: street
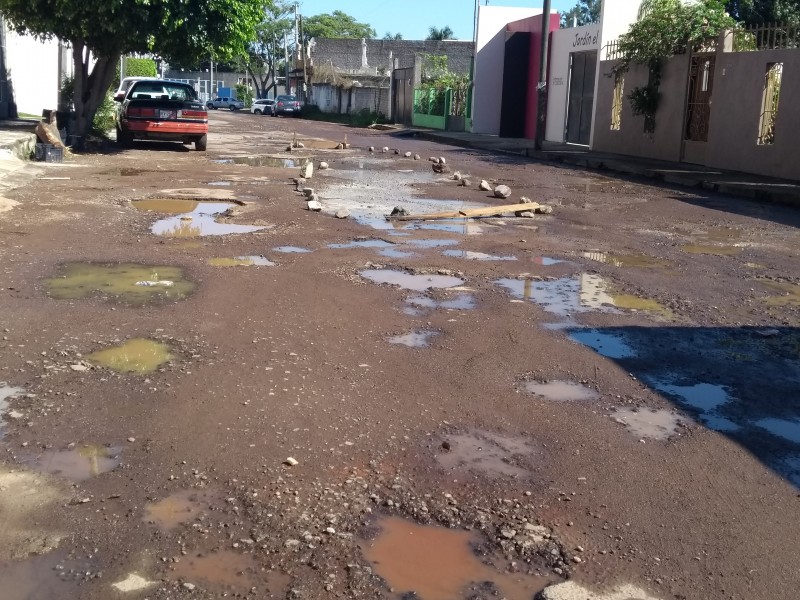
<point x="209" y="390"/>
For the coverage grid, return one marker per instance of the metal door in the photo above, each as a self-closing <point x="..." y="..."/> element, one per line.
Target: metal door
<point x="514" y="100"/>
<point x="698" y="101"/>
<point x="582" y="69"/>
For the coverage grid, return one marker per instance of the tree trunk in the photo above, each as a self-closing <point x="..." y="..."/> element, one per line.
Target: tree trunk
<point x="90" y="87"/>
<point x="256" y="80"/>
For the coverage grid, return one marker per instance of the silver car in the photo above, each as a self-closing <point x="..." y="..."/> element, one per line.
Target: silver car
<point x="225" y="102"/>
<point x="262" y="106"/>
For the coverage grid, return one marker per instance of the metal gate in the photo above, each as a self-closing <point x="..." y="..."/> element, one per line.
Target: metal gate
<point x="582" y="69"/>
<point x="698" y="100"/>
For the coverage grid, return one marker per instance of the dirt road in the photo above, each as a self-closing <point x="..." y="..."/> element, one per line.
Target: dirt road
<point x="209" y="390"/>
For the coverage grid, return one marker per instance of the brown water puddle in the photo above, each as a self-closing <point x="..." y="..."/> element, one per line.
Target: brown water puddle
<point x="138" y="355"/>
<point x="126" y="282"/>
<point x="46" y="577"/>
<point x="635" y="261"/>
<point x="790" y="293"/>
<point x="199" y="194"/>
<point x="167" y="206"/>
<point x="241" y="261"/>
<point x="177" y="509"/>
<point x="713" y="250"/>
<point x="435" y="563"/>
<point x="487" y="453"/>
<point x="218" y="571"/>
<point x="78" y="464"/>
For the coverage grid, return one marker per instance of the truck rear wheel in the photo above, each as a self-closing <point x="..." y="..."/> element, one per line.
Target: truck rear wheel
<point x="201" y="143"/>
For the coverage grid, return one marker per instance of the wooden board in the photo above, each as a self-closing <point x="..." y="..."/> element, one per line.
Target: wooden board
<point x="468" y="212"/>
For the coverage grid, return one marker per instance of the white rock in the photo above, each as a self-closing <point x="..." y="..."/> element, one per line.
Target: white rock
<point x="308" y="192"/>
<point x="416" y="157"/>
<point x="508" y="533"/>
<point x="323" y="165"/>
<point x="502" y="191"/>
<point x="545" y="209"/>
<point x="307" y="170"/>
<point x="457" y="176"/>
<point x="314" y="205"/>
<point x="79" y="367"/>
<point x="133" y="583"/>
<point x="407" y="154"/>
<point x="484" y="185"/>
<point x="442" y="160"/>
<point x="189" y="586"/>
<point x="385" y="149"/>
<point x="342" y="214"/>
<point x="291" y="462"/>
<point x="372" y="148"/>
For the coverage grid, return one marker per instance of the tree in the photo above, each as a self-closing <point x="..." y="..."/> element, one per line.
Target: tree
<point x="265" y="52"/>
<point x="445" y="33"/>
<point x="101" y="31"/>
<point x="393" y="36"/>
<point x="758" y="12"/>
<point x="336" y="25"/>
<point x="583" y="13"/>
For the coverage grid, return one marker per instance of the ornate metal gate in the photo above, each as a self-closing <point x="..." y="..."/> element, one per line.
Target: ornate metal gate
<point x="698" y="101"/>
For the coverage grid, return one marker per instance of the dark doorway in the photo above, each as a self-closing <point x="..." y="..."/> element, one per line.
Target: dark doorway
<point x="514" y="100"/>
<point x="582" y="69"/>
<point x="402" y="95"/>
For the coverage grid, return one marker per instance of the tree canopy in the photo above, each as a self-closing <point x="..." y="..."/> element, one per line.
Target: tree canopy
<point x="583" y="13"/>
<point x="336" y="25"/>
<point x="445" y="33"/>
<point x="758" y="12"/>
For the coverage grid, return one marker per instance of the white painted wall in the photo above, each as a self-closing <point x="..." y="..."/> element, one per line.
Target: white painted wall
<point x="32" y="68"/>
<point x="563" y="43"/>
<point x="490" y="56"/>
<point x="616" y="17"/>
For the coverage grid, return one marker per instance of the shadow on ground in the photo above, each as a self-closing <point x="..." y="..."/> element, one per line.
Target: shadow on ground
<point x="742" y="382"/>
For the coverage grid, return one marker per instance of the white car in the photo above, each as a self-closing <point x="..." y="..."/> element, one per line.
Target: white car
<point x="262" y="106"/>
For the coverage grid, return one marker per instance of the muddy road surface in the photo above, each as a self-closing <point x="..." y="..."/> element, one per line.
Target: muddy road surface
<point x="208" y="390"/>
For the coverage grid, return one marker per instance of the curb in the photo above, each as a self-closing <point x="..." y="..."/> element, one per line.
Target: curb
<point x="22" y="147"/>
<point x="750" y="191"/>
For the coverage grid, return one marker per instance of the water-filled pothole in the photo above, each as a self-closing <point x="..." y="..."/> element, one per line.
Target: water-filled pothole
<point x="201" y="221"/>
<point x="292" y="250"/>
<point x="362" y="244"/>
<point x="138" y="355"/>
<point x="487" y="453"/>
<point x="561" y="391"/>
<point x="434" y="563"/>
<point x="713" y="250"/>
<point x="44" y="577"/>
<point x="414" y="339"/>
<point x="418" y="283"/>
<point x="640" y="261"/>
<point x="167" y="206"/>
<point x="606" y="344"/>
<point x="790" y="293"/>
<point x="217" y="571"/>
<point x="417" y="305"/>
<point x="177" y="509"/>
<point x="396" y="253"/>
<point x="470" y="255"/>
<point x="648" y="423"/>
<point x="129" y="283"/>
<point x="77" y="464"/>
<point x="783" y="428"/>
<point x="278" y="162"/>
<point x="704" y="398"/>
<point x="7" y="393"/>
<point x="241" y="261"/>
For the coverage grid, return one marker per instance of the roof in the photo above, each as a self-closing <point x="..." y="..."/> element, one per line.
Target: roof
<point x="345" y="55"/>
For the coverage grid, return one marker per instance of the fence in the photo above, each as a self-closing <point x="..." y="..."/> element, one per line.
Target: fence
<point x="442" y="108"/>
<point x="772" y="36"/>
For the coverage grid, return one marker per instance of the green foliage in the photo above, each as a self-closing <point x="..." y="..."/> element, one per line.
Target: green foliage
<point x="445" y="33"/>
<point x="136" y="67"/>
<point x="244" y="93"/>
<point x="393" y="36"/>
<point x="336" y="25"/>
<point x="759" y="12"/>
<point x="265" y="50"/>
<point x="104" y="118"/>
<point x="437" y="77"/>
<point x="584" y="12"/>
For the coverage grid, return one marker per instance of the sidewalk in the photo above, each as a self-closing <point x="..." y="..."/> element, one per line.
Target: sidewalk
<point x="733" y="183"/>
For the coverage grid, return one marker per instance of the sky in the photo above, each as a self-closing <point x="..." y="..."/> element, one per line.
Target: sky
<point x="413" y="18"/>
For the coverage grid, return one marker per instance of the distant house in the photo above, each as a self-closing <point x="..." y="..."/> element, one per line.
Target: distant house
<point x="349" y="75"/>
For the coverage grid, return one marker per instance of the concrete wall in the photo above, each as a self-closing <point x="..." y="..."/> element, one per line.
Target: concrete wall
<point x="562" y="44"/>
<point x="32" y="70"/>
<point x="489" y="64"/>
<point x="736" y="109"/>
<point x="616" y="17"/>
<point x="326" y="97"/>
<point x="665" y="142"/>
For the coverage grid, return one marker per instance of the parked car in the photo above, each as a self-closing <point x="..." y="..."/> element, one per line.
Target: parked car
<point x="162" y="110"/>
<point x="126" y="83"/>
<point x="225" y="102"/>
<point x="262" y="106"/>
<point x="286" y="105"/>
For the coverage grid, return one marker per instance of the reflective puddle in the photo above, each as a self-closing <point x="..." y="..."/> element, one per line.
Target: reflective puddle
<point x="470" y="255"/>
<point x="177" y="509"/>
<point x="430" y="243"/>
<point x="464" y="227"/>
<point x="417" y="305"/>
<point x="546" y="261"/>
<point x="434" y="563"/>
<point x="78" y="464"/>
<point x="714" y="250"/>
<point x="291" y="250"/>
<point x="561" y="391"/>
<point x="705" y="398"/>
<point x="648" y="423"/>
<point x="407" y="281"/>
<point x="167" y="206"/>
<point x="487" y="453"/>
<point x="362" y="244"/>
<point x="130" y="283"/>
<point x="639" y="261"/>
<point x="395" y="253"/>
<point x="278" y="162"/>
<point x="222" y="183"/>
<point x="784" y="428"/>
<point x="201" y="221"/>
<point x="138" y="355"/>
<point x="606" y="344"/>
<point x="241" y="261"/>
<point x="414" y="339"/>
<point x="7" y="393"/>
<point x="216" y="571"/>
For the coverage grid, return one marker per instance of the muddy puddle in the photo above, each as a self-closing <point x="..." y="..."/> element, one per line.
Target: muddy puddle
<point x="241" y="261"/>
<point x="560" y="391"/>
<point x="277" y="162"/>
<point x="291" y="250"/>
<point x="396" y="253"/>
<point x="547" y="261"/>
<point x="648" y="423"/>
<point x="713" y="250"/>
<point x="129" y="283"/>
<point x="79" y="463"/>
<point x="419" y="305"/>
<point x="627" y="261"/>
<point x="138" y="355"/>
<point x="222" y="572"/>
<point x="178" y="509"/>
<point x="408" y="281"/>
<point x="361" y="244"/>
<point x="789" y="293"/>
<point x="435" y="563"/>
<point x="414" y="339"/>
<point x="488" y="454"/>
<point x="471" y="255"/>
<point x="577" y="294"/>
<point x="167" y="206"/>
<point x="47" y="577"/>
<point x="201" y="221"/>
<point x="7" y="393"/>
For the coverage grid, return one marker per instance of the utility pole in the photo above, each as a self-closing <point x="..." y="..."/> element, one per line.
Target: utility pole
<point x="541" y="88"/>
<point x="305" y="72"/>
<point x="286" y="62"/>
<point x="211" y="83"/>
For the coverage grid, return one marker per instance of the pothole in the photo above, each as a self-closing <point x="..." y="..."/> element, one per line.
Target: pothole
<point x="291" y="250"/>
<point x="241" y="261"/>
<point x="417" y="305"/>
<point x="138" y="355"/>
<point x="639" y="261"/>
<point x="648" y="423"/>
<point x="788" y="429"/>
<point x="434" y="563"/>
<point x="713" y="250"/>
<point x="77" y="464"/>
<point x="547" y="261"/>
<point x="407" y="281"/>
<point x="606" y="344"/>
<point x="278" y="162"/>
<point x="202" y="221"/>
<point x="167" y="206"/>
<point x="126" y="282"/>
<point x="561" y="391"/>
<point x="7" y="393"/>
<point x="178" y="509"/>
<point x="44" y="577"/>
<point x="487" y="453"/>
<point x="789" y="293"/>
<point x="470" y="255"/>
<point x="361" y="244"/>
<point x="704" y="398"/>
<point x="221" y="571"/>
<point x="414" y="339"/>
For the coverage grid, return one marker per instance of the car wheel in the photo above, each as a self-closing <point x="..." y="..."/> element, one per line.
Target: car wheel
<point x="232" y="108"/>
<point x="124" y="138"/>
<point x="201" y="143"/>
<point x="256" y="111"/>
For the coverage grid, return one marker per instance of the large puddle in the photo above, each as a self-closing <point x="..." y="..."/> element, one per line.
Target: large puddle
<point x="470" y="255"/>
<point x="278" y="162"/>
<point x="487" y="453"/>
<point x="434" y="563"/>
<point x="418" y="305"/>
<point x="292" y="250"/>
<point x="201" y="221"/>
<point x="407" y="281"/>
<point x="77" y="464"/>
<point x="130" y="283"/>
<point x="414" y="339"/>
<point x="648" y="423"/>
<point x="607" y="344"/>
<point x="637" y="261"/>
<point x="217" y="571"/>
<point x="47" y="577"/>
<point x="561" y="391"/>
<point x="241" y="261"/>
<point x="138" y="355"/>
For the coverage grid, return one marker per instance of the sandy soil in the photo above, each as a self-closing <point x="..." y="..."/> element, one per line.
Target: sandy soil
<point x="678" y="478"/>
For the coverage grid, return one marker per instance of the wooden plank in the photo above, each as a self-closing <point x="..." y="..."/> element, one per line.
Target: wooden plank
<point x="467" y="212"/>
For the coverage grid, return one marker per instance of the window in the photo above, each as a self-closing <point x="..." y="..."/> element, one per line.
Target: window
<point x="616" y="103"/>
<point x="769" y="104"/>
